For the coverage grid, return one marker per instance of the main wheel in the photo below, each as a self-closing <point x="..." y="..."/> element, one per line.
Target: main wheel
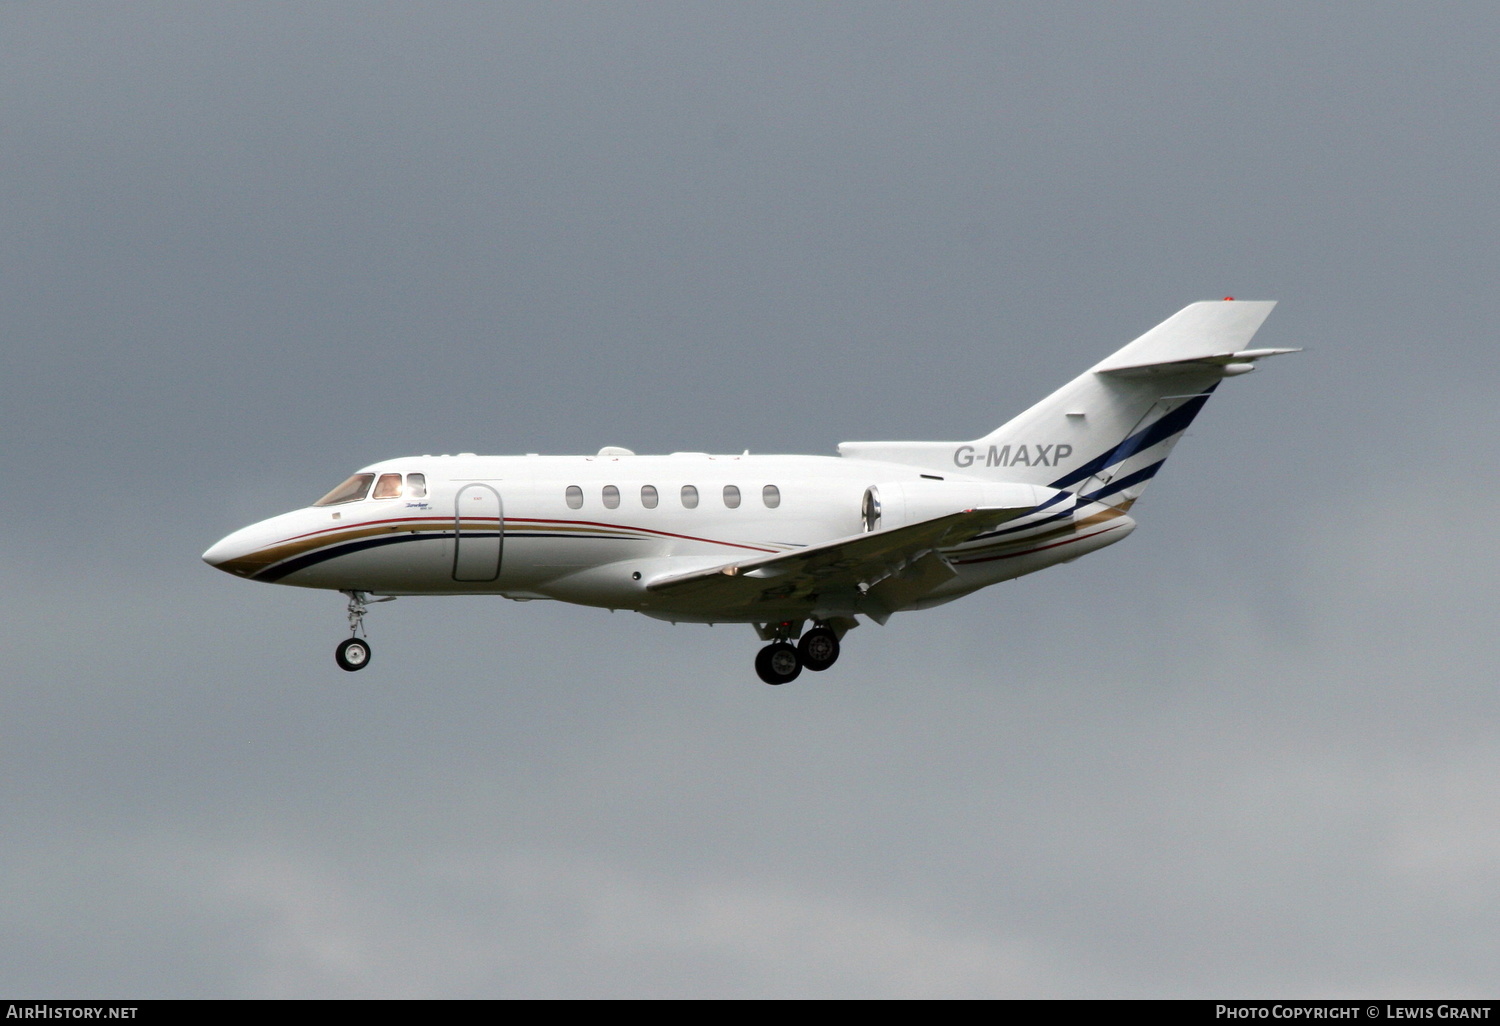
<point x="778" y="663"/>
<point x="819" y="648"/>
<point x="352" y="654"/>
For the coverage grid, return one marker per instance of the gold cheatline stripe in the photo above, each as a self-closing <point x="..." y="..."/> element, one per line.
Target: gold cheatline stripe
<point x="254" y="562"/>
<point x="564" y="528"/>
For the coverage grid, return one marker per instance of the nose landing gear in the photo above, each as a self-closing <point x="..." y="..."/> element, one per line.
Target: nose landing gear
<point x="353" y="653"/>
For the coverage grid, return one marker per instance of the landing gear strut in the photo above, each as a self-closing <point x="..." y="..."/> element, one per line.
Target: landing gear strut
<point x="353" y="653"/>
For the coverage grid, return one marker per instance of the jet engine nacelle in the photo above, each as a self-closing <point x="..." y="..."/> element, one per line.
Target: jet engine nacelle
<point x="898" y="503"/>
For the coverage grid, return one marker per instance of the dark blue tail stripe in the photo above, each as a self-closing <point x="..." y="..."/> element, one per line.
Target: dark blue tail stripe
<point x="1033" y="524"/>
<point x="1120" y="484"/>
<point x="1160" y="431"/>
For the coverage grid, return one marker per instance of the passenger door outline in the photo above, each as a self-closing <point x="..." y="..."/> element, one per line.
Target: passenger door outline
<point x="478" y="533"/>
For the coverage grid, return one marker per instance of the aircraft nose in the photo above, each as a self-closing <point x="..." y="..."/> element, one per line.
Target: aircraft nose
<point x="228" y="553"/>
<point x="217" y="553"/>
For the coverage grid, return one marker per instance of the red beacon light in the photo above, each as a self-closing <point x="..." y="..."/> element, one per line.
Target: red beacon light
<point x="1229" y="299"/>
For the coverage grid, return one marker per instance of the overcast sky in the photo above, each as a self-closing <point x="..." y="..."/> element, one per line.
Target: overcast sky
<point x="249" y="248"/>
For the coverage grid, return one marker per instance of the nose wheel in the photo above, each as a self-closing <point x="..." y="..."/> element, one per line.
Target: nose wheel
<point x="353" y="653"/>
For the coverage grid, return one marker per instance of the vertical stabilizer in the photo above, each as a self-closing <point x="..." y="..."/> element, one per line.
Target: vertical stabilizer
<point x="1107" y="432"/>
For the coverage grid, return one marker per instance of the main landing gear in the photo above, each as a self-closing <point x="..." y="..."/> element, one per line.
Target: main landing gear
<point x="353" y="653"/>
<point x="778" y="663"/>
<point x="781" y="662"/>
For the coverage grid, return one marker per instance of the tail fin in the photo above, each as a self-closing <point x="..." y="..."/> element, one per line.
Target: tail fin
<point x="1107" y="432"/>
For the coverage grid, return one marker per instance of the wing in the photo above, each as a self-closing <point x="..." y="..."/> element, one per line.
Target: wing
<point x="874" y="574"/>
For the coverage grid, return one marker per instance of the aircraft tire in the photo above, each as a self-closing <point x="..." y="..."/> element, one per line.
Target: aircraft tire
<point x="819" y="649"/>
<point x="352" y="654"/>
<point x="778" y="663"/>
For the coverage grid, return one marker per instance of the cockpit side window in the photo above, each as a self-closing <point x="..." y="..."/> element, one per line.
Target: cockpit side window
<point x="416" y="486"/>
<point x="351" y="490"/>
<point x="388" y="487"/>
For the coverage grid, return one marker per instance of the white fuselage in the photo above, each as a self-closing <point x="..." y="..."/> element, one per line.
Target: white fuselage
<point x="774" y="541"/>
<point x="598" y="530"/>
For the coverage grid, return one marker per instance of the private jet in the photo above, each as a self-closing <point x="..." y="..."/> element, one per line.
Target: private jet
<point x="800" y="547"/>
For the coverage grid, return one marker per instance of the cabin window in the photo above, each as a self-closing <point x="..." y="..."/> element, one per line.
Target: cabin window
<point x="648" y="496"/>
<point x="351" y="490"/>
<point x="689" y="497"/>
<point x="771" y="496"/>
<point x="388" y="487"/>
<point x="732" y="496"/>
<point x="416" y="486"/>
<point x="575" y="497"/>
<point x="611" y="497"/>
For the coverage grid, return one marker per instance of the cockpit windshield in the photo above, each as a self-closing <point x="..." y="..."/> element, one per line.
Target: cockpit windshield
<point x="388" y="487"/>
<point x="351" y="490"/>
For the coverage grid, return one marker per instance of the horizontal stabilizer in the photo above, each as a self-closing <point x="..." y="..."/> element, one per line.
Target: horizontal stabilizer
<point x="1228" y="364"/>
<point x="1209" y="331"/>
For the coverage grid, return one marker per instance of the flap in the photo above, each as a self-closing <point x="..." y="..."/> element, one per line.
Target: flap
<point x="851" y="565"/>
